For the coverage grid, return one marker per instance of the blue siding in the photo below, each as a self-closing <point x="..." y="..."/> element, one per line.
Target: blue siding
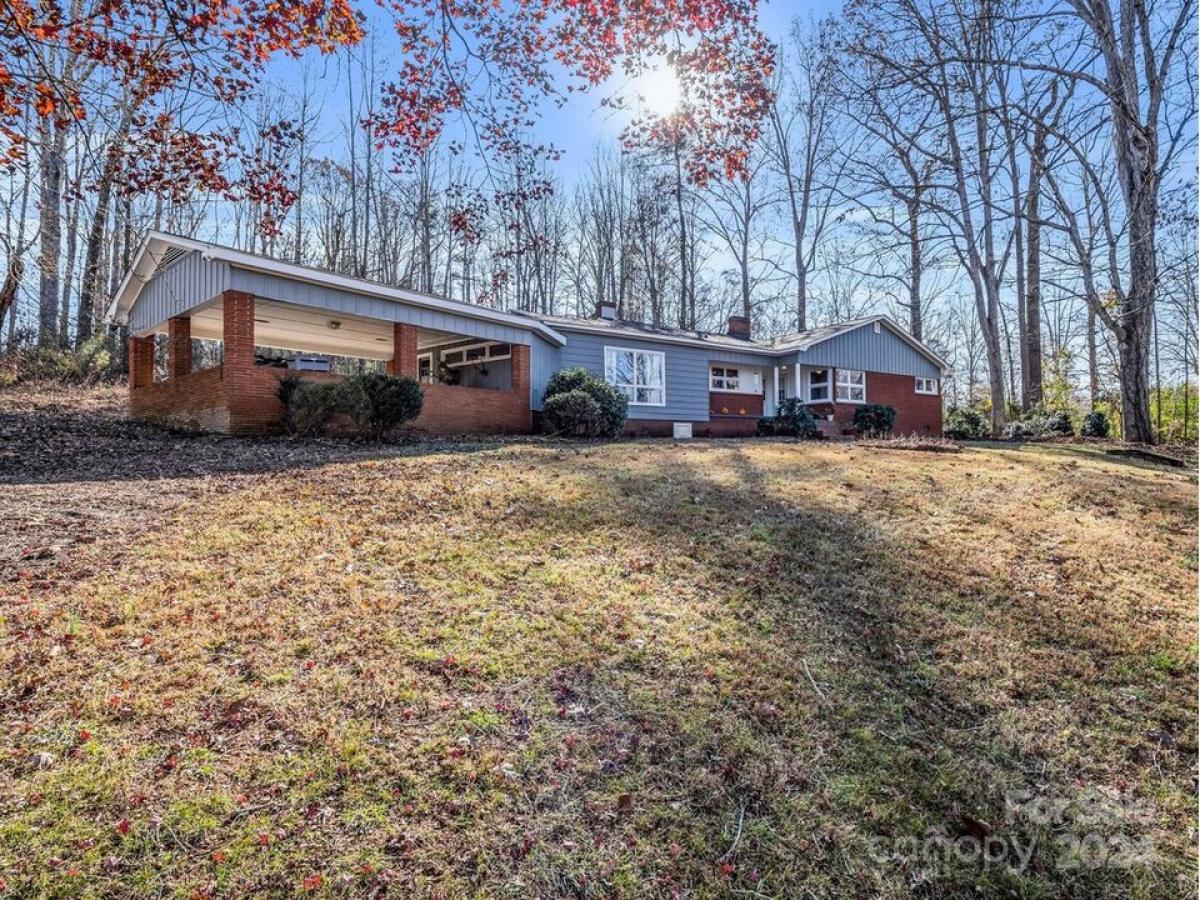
<point x="687" y="373"/>
<point x="544" y="361"/>
<point x="287" y="290"/>
<point x="863" y="349"/>
<point x="190" y="282"/>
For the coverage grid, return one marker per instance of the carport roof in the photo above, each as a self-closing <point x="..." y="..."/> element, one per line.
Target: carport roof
<point x="160" y="249"/>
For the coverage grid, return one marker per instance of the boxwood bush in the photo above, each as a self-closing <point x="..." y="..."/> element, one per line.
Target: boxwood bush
<point x="307" y="405"/>
<point x="375" y="403"/>
<point x="1040" y="422"/>
<point x="378" y="403"/>
<point x="792" y="419"/>
<point x="966" y="423"/>
<point x="575" y="418"/>
<point x="1095" y="424"/>
<point x="573" y="414"/>
<point x="874" y="420"/>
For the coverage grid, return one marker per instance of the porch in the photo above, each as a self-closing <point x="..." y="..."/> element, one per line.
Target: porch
<point x="470" y="383"/>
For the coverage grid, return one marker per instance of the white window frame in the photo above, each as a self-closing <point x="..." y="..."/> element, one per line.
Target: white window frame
<point x="459" y="354"/>
<point x="722" y="382"/>
<point x="627" y="389"/>
<point x="425" y="357"/>
<point x="808" y="386"/>
<point x="850" y="386"/>
<point x="748" y="381"/>
<point x="932" y="386"/>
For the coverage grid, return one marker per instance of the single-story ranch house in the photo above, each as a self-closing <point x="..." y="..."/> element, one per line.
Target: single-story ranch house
<point x="484" y="370"/>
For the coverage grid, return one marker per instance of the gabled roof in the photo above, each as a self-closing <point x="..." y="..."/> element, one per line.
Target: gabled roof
<point x="803" y="340"/>
<point x="788" y="343"/>
<point x="160" y="249"/>
<point x="660" y="333"/>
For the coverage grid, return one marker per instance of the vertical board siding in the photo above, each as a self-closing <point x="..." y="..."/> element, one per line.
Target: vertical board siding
<point x="287" y="290"/>
<point x="190" y="282"/>
<point x="863" y="349"/>
<point x="686" y="371"/>
<point x="544" y="361"/>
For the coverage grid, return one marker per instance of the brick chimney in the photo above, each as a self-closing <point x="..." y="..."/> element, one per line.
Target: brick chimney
<point x="606" y="310"/>
<point x="739" y="327"/>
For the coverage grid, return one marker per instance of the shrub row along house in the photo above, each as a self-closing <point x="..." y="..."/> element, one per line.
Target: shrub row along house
<point x="483" y="370"/>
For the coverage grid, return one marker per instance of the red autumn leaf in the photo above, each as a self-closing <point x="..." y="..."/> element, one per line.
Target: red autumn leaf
<point x="313" y="882"/>
<point x="123" y="826"/>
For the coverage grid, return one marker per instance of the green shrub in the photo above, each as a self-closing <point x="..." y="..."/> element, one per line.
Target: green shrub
<point x="1040" y="423"/>
<point x="965" y="423"/>
<point x="1058" y="422"/>
<point x="89" y="362"/>
<point x="307" y="405"/>
<point x="874" y="420"/>
<point x="1095" y="424"/>
<point x="613" y="406"/>
<point x="792" y="419"/>
<point x="1019" y="431"/>
<point x="573" y="414"/>
<point x="378" y="403"/>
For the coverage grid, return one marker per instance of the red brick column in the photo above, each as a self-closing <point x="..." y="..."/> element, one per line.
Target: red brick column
<point x="238" y="308"/>
<point x="520" y="370"/>
<point x="404" y="359"/>
<point x="141" y="362"/>
<point x="251" y="399"/>
<point x="179" y="346"/>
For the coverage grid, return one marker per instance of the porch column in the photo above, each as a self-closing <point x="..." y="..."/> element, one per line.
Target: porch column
<point x="251" y="403"/>
<point x="238" y="310"/>
<point x="520" y="370"/>
<point x="141" y="362"/>
<point x="796" y="373"/>
<point x="404" y="354"/>
<point x="772" y="397"/>
<point x="179" y="346"/>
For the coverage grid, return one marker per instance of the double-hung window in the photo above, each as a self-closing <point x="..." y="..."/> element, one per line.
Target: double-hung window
<point x="818" y="386"/>
<point x="724" y="379"/>
<point x="927" y="386"/>
<point x="641" y="375"/>
<point x="851" y="386"/>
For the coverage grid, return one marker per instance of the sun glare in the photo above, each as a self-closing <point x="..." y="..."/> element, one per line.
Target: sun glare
<point x="658" y="90"/>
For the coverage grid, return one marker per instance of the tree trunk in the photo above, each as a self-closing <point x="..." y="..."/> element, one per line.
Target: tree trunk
<point x="1134" y="359"/>
<point x="90" y="293"/>
<point x="64" y="315"/>
<point x="50" y="214"/>
<point x="1032" y="331"/>
<point x="1093" y="358"/>
<point x="8" y="297"/>
<point x="915" y="323"/>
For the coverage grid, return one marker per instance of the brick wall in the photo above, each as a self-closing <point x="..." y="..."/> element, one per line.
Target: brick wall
<point x="452" y="409"/>
<point x="196" y="401"/>
<point x="726" y="404"/>
<point x="915" y="413"/>
<point x="201" y="401"/>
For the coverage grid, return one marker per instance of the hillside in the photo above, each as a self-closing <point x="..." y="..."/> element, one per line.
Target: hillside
<point x="632" y="669"/>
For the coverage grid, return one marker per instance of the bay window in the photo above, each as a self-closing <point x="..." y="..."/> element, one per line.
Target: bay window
<point x="641" y="375"/>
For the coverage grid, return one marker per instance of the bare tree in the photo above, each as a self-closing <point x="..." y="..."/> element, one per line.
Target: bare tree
<point x="804" y="128"/>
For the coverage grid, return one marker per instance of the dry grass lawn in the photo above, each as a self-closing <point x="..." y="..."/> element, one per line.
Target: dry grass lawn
<point x="750" y="668"/>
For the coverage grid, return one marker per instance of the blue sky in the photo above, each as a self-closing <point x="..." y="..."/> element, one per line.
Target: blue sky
<point x="578" y="128"/>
